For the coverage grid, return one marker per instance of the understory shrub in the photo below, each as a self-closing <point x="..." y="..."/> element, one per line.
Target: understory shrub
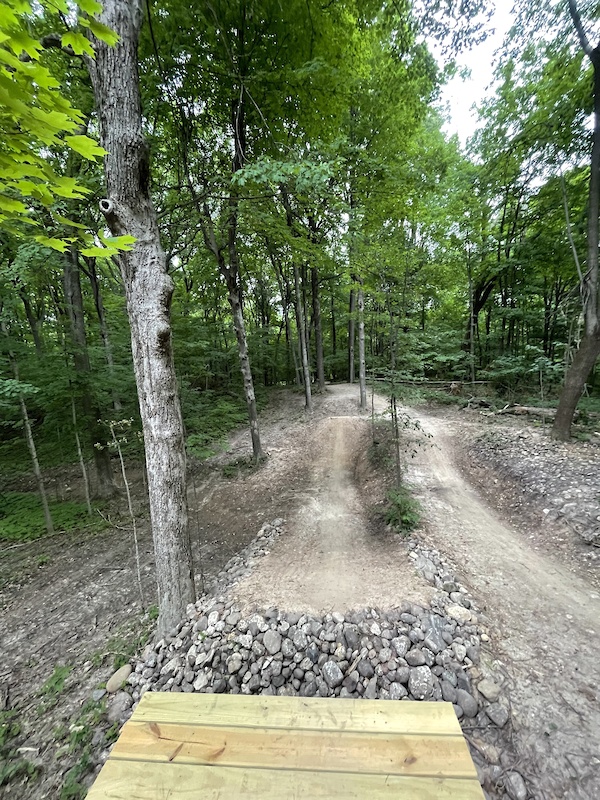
<point x="22" y="517"/>
<point x="403" y="512"/>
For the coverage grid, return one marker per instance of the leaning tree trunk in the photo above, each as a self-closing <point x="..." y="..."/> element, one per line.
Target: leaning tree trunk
<point x="39" y="478"/>
<point x="105" y="486"/>
<point x="589" y="349"/>
<point x="575" y="380"/>
<point x="148" y="289"/>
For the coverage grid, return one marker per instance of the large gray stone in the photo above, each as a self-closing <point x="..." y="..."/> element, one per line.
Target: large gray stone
<point x="490" y="690"/>
<point x="272" y="641"/>
<point x="365" y="668"/>
<point x="397" y="691"/>
<point x="415" y="658"/>
<point x="433" y="629"/>
<point x="467" y="702"/>
<point x="118" y="709"/>
<point x="420" y="683"/>
<point x="459" y="613"/>
<point x="332" y="674"/>
<point x="300" y="640"/>
<point x="498" y="714"/>
<point x="234" y="663"/>
<point x="401" y="645"/>
<point x="515" y="786"/>
<point x="118" y="678"/>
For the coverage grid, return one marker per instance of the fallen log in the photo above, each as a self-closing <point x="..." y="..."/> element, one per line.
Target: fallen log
<point x="531" y="411"/>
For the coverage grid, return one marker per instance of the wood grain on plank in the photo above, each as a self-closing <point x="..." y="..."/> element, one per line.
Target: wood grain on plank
<point x="329" y="751"/>
<point x="308" y="713"/>
<point x="138" y="780"/>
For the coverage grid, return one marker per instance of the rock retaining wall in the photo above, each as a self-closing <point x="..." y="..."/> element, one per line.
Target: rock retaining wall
<point x="405" y="653"/>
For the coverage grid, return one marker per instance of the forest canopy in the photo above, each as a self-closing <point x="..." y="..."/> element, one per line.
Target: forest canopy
<point x="313" y="222"/>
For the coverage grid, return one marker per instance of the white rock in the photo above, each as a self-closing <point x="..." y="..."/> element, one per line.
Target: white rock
<point x="459" y="613"/>
<point x="118" y="678"/>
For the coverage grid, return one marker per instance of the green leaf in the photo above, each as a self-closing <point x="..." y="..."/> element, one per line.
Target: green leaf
<point x="124" y="242"/>
<point x="100" y="31"/>
<point x="11" y="206"/>
<point x="21" y="41"/>
<point x="55" y="244"/>
<point x="78" y="42"/>
<point x="97" y="252"/>
<point x="85" y="146"/>
<point x="90" y="7"/>
<point x="68" y="187"/>
<point x="69" y="222"/>
<point x="112" y="246"/>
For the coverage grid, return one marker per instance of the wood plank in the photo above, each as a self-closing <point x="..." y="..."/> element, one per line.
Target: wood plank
<point x="330" y="751"/>
<point x="137" y="780"/>
<point x="308" y="713"/>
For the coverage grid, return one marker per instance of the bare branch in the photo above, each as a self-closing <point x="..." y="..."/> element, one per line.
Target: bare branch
<point x="584" y="41"/>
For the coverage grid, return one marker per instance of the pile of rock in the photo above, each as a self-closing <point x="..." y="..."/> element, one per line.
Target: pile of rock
<point x="242" y="563"/>
<point x="405" y="653"/>
<point x="408" y="652"/>
<point x="562" y="478"/>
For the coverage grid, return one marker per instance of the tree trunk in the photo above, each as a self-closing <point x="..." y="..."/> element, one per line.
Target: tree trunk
<point x="36" y="466"/>
<point x="95" y="284"/>
<point x="575" y="380"/>
<point x="316" y="304"/>
<point x="240" y="333"/>
<point x="362" y="372"/>
<point x="105" y="486"/>
<point x="351" y="335"/>
<point x="30" y="442"/>
<point x="302" y="339"/>
<point x="34" y="324"/>
<point x="148" y="290"/>
<point x="84" y="472"/>
<point x="589" y="349"/>
<point x="333" y="328"/>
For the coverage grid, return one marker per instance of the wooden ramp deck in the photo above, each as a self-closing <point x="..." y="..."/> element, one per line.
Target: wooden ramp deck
<point x="180" y="746"/>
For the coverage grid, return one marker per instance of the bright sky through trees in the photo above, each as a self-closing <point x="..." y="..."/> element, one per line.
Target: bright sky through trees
<point x="460" y="95"/>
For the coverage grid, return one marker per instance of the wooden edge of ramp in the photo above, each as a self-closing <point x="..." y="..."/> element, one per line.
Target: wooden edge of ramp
<point x="228" y="746"/>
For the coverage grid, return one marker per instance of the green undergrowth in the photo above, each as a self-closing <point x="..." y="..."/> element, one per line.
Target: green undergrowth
<point x="53" y="687"/>
<point x="403" y="512"/>
<point x="400" y="510"/>
<point x="211" y="416"/>
<point x="12" y="765"/>
<point x="77" y="741"/>
<point x="22" y="517"/>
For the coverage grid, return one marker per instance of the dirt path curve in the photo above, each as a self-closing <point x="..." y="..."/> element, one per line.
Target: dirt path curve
<point x="545" y="620"/>
<point x="330" y="558"/>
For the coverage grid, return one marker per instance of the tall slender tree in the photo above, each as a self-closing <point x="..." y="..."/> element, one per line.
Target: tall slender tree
<point x="129" y="210"/>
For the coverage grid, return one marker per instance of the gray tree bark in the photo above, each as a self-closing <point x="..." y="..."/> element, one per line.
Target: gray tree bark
<point x="362" y="371"/>
<point x="589" y="349"/>
<point x="351" y="335"/>
<point x="128" y="209"/>
<point x="302" y="338"/>
<point x="316" y="304"/>
<point x="91" y="272"/>
<point x="105" y="486"/>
